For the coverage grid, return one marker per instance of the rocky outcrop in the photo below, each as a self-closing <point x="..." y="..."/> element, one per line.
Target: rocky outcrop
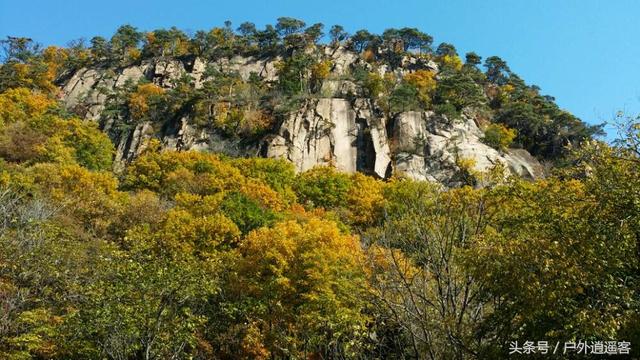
<point x="89" y="86"/>
<point x="349" y="136"/>
<point x="342" y="128"/>
<point x="87" y="91"/>
<point x="333" y="131"/>
<point x="429" y="147"/>
<point x="245" y="66"/>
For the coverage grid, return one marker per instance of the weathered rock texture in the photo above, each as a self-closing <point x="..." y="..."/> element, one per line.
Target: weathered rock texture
<point x="428" y="148"/>
<point x="333" y="131"/>
<point x="342" y="128"/>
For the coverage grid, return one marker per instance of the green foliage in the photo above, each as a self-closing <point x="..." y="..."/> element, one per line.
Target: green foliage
<point x="195" y="255"/>
<point x="407" y="39"/>
<point x="460" y="90"/>
<point x="99" y="48"/>
<point x="268" y="39"/>
<point x="543" y="129"/>
<point x="214" y="44"/>
<point x="33" y="132"/>
<point x="523" y="117"/>
<point x="142" y="305"/>
<point x="292" y="74"/>
<point x="246" y="213"/>
<point x="287" y="26"/>
<point x="398" y="191"/>
<point x="313" y="33"/>
<point x="322" y="186"/>
<point x="338" y="34"/>
<point x="548" y="262"/>
<point x="446" y="109"/>
<point x="362" y="40"/>
<point x="161" y="42"/>
<point x="405" y="97"/>
<point x="92" y="148"/>
<point x="277" y="173"/>
<point x="498" y="71"/>
<point x="124" y="44"/>
<point x="472" y="59"/>
<point x="446" y="49"/>
<point x="498" y="136"/>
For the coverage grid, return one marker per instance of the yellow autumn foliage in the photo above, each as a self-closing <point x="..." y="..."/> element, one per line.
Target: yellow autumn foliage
<point x="364" y="200"/>
<point x="453" y="62"/>
<point x="22" y="104"/>
<point x="309" y="276"/>
<point x="140" y="100"/>
<point x="321" y="70"/>
<point x="425" y="82"/>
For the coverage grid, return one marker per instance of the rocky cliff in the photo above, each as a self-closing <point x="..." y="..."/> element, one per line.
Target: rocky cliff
<point x="338" y="126"/>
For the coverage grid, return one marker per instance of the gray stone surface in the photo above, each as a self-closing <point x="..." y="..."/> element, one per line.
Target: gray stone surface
<point x="342" y="128"/>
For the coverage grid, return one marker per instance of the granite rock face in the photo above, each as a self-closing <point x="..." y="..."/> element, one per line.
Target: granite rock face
<point x="87" y="91"/>
<point x="341" y="128"/>
<point x="430" y="146"/>
<point x="333" y="131"/>
<point x="421" y="145"/>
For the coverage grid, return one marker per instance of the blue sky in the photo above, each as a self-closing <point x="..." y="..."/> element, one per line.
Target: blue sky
<point x="584" y="52"/>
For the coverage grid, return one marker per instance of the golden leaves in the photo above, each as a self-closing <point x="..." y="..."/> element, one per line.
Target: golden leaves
<point x="425" y="82"/>
<point x="22" y="104"/>
<point x="499" y="136"/>
<point x="139" y="101"/>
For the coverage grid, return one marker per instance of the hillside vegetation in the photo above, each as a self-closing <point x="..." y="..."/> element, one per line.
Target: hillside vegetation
<point x="197" y="255"/>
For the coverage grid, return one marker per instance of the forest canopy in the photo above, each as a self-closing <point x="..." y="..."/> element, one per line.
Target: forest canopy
<point x="197" y="255"/>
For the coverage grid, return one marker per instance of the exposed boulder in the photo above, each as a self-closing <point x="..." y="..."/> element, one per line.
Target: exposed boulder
<point x="524" y="164"/>
<point x="342" y="60"/>
<point x="429" y="148"/>
<point x="244" y="66"/>
<point x="340" y="88"/>
<point x="166" y="72"/>
<point x="88" y="88"/>
<point x="131" y="146"/>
